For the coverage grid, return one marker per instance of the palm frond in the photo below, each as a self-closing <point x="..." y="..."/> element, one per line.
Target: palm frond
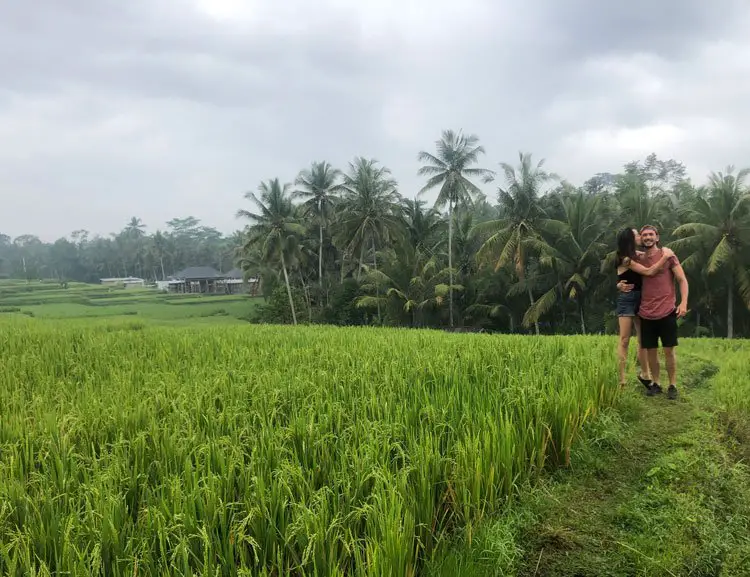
<point x="540" y="307"/>
<point x="720" y="256"/>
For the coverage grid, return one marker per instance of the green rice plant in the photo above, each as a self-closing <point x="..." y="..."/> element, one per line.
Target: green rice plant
<point x="127" y="448"/>
<point x="731" y="384"/>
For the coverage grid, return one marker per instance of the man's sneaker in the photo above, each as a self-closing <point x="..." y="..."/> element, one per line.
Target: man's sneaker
<point x="672" y="392"/>
<point x="645" y="382"/>
<point x="654" y="389"/>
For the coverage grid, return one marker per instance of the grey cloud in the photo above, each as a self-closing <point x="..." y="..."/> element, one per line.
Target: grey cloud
<point x="136" y="53"/>
<point x="667" y="27"/>
<point x="148" y="107"/>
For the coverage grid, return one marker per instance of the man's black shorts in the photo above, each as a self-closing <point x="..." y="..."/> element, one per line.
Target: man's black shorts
<point x="654" y="330"/>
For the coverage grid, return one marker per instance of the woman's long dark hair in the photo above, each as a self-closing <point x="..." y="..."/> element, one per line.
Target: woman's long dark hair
<point x="625" y="245"/>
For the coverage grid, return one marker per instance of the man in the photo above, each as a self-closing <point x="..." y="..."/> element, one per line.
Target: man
<point x="659" y="311"/>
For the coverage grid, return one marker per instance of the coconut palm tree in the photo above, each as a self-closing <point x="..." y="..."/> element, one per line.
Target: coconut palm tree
<point x="411" y="280"/>
<point x="639" y="204"/>
<point x="317" y="188"/>
<point x="572" y="258"/>
<point x="423" y="227"/>
<point x="511" y="239"/>
<point x="451" y="169"/>
<point x="369" y="212"/>
<point x="274" y="228"/>
<point x="135" y="228"/>
<point x="717" y="234"/>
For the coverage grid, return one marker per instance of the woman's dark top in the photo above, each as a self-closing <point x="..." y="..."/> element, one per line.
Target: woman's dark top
<point x="631" y="277"/>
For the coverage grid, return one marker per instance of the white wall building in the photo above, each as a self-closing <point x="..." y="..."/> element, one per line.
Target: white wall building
<point x="124" y="282"/>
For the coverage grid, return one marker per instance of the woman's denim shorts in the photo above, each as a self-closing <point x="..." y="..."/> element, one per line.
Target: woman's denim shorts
<point x="628" y="304"/>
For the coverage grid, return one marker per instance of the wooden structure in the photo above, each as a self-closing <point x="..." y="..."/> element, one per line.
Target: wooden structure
<point x="197" y="279"/>
<point x="207" y="280"/>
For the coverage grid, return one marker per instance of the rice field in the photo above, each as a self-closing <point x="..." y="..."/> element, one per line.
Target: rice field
<point x="132" y="449"/>
<point x="731" y="386"/>
<point x="50" y="300"/>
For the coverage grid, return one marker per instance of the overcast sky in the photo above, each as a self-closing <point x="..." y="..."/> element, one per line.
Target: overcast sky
<point x="168" y="108"/>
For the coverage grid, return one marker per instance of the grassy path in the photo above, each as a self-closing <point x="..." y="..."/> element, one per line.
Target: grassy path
<point x="655" y="490"/>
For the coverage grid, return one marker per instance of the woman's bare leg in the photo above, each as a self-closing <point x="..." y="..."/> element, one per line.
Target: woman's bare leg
<point x="642" y="354"/>
<point x="626" y="328"/>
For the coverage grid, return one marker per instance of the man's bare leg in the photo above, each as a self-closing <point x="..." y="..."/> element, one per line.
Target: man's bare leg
<point x="653" y="364"/>
<point x="671" y="362"/>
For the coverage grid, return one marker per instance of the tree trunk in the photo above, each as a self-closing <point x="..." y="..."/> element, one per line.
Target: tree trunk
<point x="308" y="299"/>
<point x="320" y="249"/>
<point x="583" y="321"/>
<point x="730" y="308"/>
<point x="163" y="275"/>
<point x="531" y="300"/>
<point x="450" y="262"/>
<point x="377" y="283"/>
<point x="288" y="287"/>
<point x="361" y="258"/>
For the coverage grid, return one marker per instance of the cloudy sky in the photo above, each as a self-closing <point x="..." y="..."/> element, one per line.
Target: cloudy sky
<point x="168" y="108"/>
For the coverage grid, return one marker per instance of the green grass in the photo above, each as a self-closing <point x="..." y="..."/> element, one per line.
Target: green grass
<point x="51" y="301"/>
<point x="270" y="450"/>
<point x="655" y="488"/>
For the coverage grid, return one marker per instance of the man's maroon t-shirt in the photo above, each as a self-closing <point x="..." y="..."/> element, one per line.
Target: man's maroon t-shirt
<point x="658" y="295"/>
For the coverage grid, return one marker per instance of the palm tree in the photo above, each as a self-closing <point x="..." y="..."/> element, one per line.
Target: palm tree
<point x="160" y="246"/>
<point x="450" y="169"/>
<point x="132" y="240"/>
<point x="369" y="212"/>
<point x="517" y="233"/>
<point x="274" y="229"/>
<point x="135" y="228"/>
<point x="318" y="186"/>
<point x="423" y="227"/>
<point x="414" y="281"/>
<point x="718" y="234"/>
<point x="639" y="204"/>
<point x="572" y="258"/>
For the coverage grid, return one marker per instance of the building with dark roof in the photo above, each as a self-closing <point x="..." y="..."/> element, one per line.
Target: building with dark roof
<point x="194" y="273"/>
<point x="207" y="280"/>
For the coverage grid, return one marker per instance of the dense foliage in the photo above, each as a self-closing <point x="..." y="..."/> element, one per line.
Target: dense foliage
<point x="348" y="247"/>
<point x="130" y="252"/>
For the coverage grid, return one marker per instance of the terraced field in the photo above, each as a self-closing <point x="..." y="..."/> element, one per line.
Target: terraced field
<point x="78" y="300"/>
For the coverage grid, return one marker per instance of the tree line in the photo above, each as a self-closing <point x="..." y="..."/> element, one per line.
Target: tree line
<point x="347" y="247"/>
<point x="131" y="252"/>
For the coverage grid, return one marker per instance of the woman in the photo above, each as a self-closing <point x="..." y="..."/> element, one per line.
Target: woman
<point x="632" y="272"/>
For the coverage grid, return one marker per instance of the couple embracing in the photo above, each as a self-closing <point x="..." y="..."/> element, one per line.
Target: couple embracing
<point x="647" y="299"/>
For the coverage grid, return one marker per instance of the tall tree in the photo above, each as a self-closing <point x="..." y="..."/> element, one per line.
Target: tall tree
<point x="318" y="188"/>
<point x="423" y="227"/>
<point x="274" y="228"/>
<point x="514" y="236"/>
<point x="450" y="169"/>
<point x="369" y="216"/>
<point x="572" y="257"/>
<point x="135" y="228"/>
<point x="718" y="234"/>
